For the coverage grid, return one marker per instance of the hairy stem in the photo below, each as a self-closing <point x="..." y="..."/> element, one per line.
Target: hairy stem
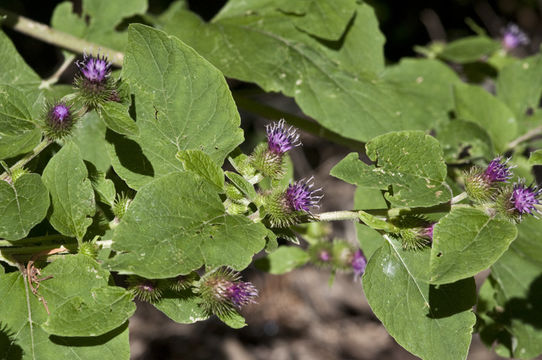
<point x="49" y="35"/>
<point x="299" y="122"/>
<point x="459" y="198"/>
<point x="525" y="137"/>
<point x="338" y="215"/>
<point x="27" y="158"/>
<point x="53" y="79"/>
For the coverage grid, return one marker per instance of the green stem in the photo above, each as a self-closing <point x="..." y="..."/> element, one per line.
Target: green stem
<point x="299" y="122"/>
<point x="459" y="198"/>
<point x="525" y="137"/>
<point x="27" y="158"/>
<point x="49" y="35"/>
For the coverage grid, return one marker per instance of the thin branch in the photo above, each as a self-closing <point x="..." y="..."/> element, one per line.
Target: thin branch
<point x="49" y="35"/>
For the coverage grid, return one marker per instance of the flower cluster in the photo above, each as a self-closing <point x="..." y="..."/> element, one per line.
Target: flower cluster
<point x="94" y="84"/>
<point x="338" y="255"/>
<point x="491" y="187"/>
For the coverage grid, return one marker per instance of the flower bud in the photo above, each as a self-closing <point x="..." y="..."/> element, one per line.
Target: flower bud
<point x="58" y="122"/>
<point x="182" y="282"/>
<point x="481" y="185"/>
<point x="288" y="207"/>
<point x="415" y="232"/>
<point x="512" y="37"/>
<point x="94" y="83"/>
<point x="145" y="289"/>
<point x="342" y="255"/>
<point x="269" y="160"/>
<point x="89" y="249"/>
<point x="120" y="206"/>
<point x="321" y="253"/>
<point x="359" y="263"/>
<point x="519" y="200"/>
<point x="222" y="292"/>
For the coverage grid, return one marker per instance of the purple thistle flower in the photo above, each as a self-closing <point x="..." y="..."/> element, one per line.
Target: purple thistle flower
<point x="524" y="198"/>
<point x="60" y="113"/>
<point x="359" y="263"/>
<point x="94" y="69"/>
<point x="300" y="197"/>
<point x="512" y="37"/>
<point x="427" y="232"/>
<point x="280" y="139"/>
<point x="241" y="293"/>
<point x="498" y="171"/>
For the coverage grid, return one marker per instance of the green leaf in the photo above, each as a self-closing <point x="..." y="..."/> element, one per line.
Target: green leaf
<point x="233" y="320"/>
<point x="469" y="49"/>
<point x="283" y="260"/>
<point x="376" y="223"/>
<point x="519" y="85"/>
<point x="18" y="132"/>
<point x="243" y="185"/>
<point x="86" y="307"/>
<point x="458" y="137"/>
<point x="22" y="314"/>
<point x="14" y="69"/>
<point x="117" y="118"/>
<point x="89" y="136"/>
<point x="71" y="192"/>
<point x="459" y="252"/>
<point x="200" y="163"/>
<point x="536" y="158"/>
<point x="369" y="239"/>
<point x="475" y="104"/>
<point x="410" y="162"/>
<point x="183" y="307"/>
<point x="511" y="311"/>
<point x="324" y="19"/>
<point x="182" y="102"/>
<point x="23" y="205"/>
<point x="98" y="20"/>
<point x="324" y="77"/>
<point x="432" y="322"/>
<point x="128" y="161"/>
<point x="176" y="224"/>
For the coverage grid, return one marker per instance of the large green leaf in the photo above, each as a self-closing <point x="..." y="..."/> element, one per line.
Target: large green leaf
<point x="182" y="102"/>
<point x="22" y="316"/>
<point x="462" y="251"/>
<point x="475" y="104"/>
<point x="410" y="162"/>
<point x="183" y="307"/>
<point x="18" y="132"/>
<point x="98" y="20"/>
<point x="176" y="224"/>
<point x="325" y="77"/>
<point x="469" y="49"/>
<point x="71" y="192"/>
<point x="458" y="137"/>
<point x="512" y="318"/>
<point x="89" y="136"/>
<point x="432" y="322"/>
<point x="519" y="85"/>
<point x="23" y="205"/>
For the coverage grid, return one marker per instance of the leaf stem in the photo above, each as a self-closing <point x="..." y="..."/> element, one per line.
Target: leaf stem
<point x="297" y="121"/>
<point x="26" y="159"/>
<point x="49" y="35"/>
<point x="459" y="198"/>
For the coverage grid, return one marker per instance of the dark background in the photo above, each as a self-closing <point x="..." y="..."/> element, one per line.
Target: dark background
<point x="299" y="316"/>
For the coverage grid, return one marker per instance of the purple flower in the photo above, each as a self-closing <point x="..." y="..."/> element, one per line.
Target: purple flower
<point x="512" y="37"/>
<point x="524" y="198"/>
<point x="280" y="139"/>
<point x="427" y="232"/>
<point x="59" y="113"/>
<point x="95" y="69"/>
<point x="359" y="263"/>
<point x="498" y="171"/>
<point x="241" y="293"/>
<point x="300" y="197"/>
